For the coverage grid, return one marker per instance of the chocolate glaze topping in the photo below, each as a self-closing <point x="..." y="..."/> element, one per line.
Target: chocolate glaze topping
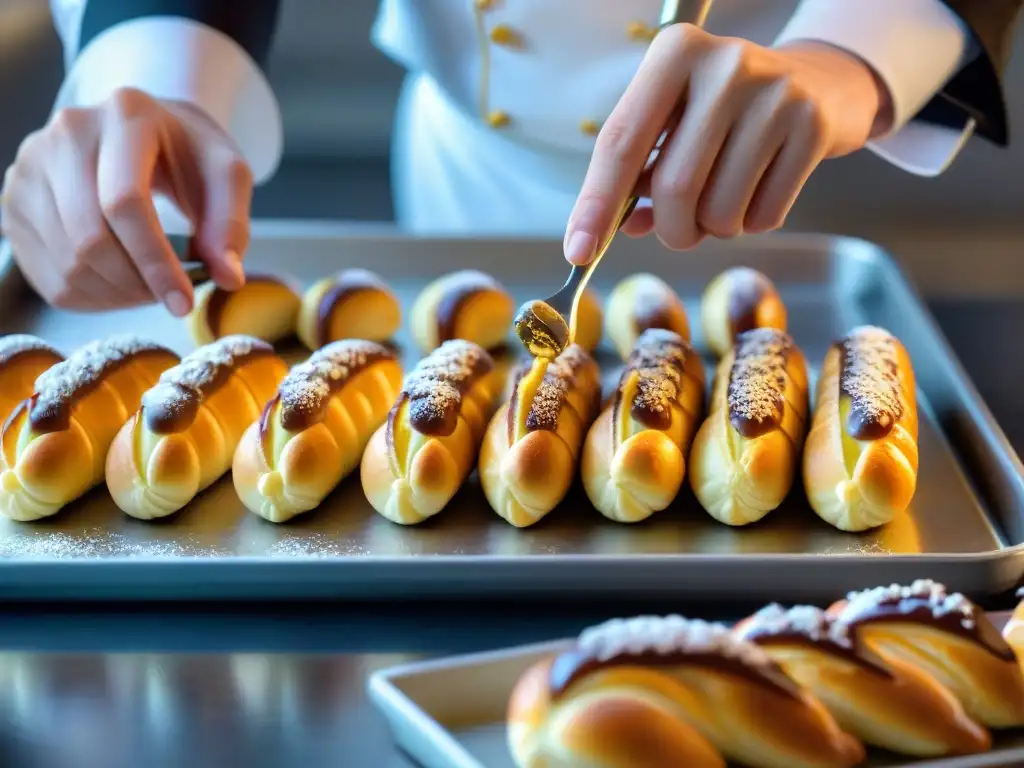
<point x="17" y="344"/>
<point x="459" y="287"/>
<point x="658" y="359"/>
<point x="173" y="404"/>
<point x="63" y="385"/>
<point x="219" y="298"/>
<point x="809" y="626"/>
<point x="670" y="641"/>
<point x="434" y="389"/>
<point x="757" y="382"/>
<point x="925" y="602"/>
<point x="747" y="287"/>
<point x="307" y="389"/>
<point x="869" y="376"/>
<point x="654" y="303"/>
<point x="347" y="282"/>
<point x="561" y="375"/>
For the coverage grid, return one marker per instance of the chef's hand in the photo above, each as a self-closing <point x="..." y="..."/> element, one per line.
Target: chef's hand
<point x="744" y="128"/>
<point x="78" y="208"/>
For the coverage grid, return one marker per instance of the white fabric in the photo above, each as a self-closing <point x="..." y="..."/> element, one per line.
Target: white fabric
<point x="915" y="47"/>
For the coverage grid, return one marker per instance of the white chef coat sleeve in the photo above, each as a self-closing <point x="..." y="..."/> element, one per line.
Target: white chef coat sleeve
<point x="915" y="47"/>
<point x="171" y="57"/>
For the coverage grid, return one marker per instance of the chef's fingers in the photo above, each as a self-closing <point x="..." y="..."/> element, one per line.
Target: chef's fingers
<point x="641" y="221"/>
<point x="753" y="143"/>
<point x="128" y="154"/>
<point x="628" y="136"/>
<point x="805" y="148"/>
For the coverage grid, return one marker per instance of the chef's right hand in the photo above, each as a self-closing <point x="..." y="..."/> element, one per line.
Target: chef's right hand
<point x="78" y="208"/>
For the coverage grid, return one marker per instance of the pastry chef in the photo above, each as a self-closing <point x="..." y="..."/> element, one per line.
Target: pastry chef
<point x="517" y="116"/>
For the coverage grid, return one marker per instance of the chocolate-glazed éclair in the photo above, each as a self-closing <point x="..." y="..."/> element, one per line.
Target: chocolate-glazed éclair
<point x="434" y="389"/>
<point x="655" y="303"/>
<point x="658" y="359"/>
<point x="927" y="603"/>
<point x="173" y="404"/>
<point x="219" y="298"/>
<point x="63" y="385"/>
<point x="757" y="381"/>
<point x="459" y="288"/>
<point x="348" y="283"/>
<point x="560" y="376"/>
<point x="869" y="376"/>
<point x="809" y="626"/>
<point x="748" y="287"/>
<point x="670" y="641"/>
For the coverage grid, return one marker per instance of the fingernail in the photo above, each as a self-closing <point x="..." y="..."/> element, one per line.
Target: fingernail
<point x="234" y="261"/>
<point x="177" y="303"/>
<point x="580" y="249"/>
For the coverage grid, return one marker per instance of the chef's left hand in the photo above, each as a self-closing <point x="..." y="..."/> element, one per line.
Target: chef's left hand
<point x="744" y="126"/>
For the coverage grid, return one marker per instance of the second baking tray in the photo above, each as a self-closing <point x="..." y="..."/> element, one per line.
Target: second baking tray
<point x="964" y="526"/>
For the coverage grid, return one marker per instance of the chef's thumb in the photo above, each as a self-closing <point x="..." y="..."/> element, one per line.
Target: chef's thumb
<point x="222" y="232"/>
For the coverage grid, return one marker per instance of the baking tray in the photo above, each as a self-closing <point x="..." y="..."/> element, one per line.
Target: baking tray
<point x="964" y="527"/>
<point x="450" y="712"/>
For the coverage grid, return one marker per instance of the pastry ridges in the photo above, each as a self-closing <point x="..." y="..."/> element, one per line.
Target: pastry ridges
<point x="17" y="344"/>
<point x="658" y="359"/>
<point x="757" y="381"/>
<point x="173" y="404"/>
<point x="304" y="393"/>
<point x="664" y="641"/>
<point x="560" y="377"/>
<point x="434" y="389"/>
<point x="925" y="602"/>
<point x="60" y="387"/>
<point x="869" y="376"/>
<point x="456" y="288"/>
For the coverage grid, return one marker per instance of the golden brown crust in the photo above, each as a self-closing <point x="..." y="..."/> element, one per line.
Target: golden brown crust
<point x="467" y="304"/>
<point x="590" y="323"/>
<point x="266" y="307"/>
<point x="23" y="359"/>
<point x="641" y="302"/>
<point x="739" y="299"/>
<point x="355" y="303"/>
<point x="311" y="435"/>
<point x="635" y="454"/>
<point x="185" y="434"/>
<point x="745" y="455"/>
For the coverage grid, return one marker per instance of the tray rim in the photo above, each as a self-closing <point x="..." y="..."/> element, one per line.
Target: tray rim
<point x="393" y="704"/>
<point x="1009" y="463"/>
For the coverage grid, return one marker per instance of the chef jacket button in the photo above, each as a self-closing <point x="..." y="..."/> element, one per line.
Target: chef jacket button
<point x="502" y="34"/>
<point x="590" y="127"/>
<point x="640" y="32"/>
<point x="498" y="119"/>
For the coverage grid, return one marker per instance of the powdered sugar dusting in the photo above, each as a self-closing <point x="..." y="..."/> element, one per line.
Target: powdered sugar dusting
<point x="939" y="601"/>
<point x="96" y="542"/>
<point x="435" y="387"/>
<point x="803" y="620"/>
<point x="16" y="344"/>
<point x="758" y="378"/>
<point x="308" y="386"/>
<point x="870" y="374"/>
<point x="559" y="378"/>
<point x="666" y="635"/>
<point x="658" y="358"/>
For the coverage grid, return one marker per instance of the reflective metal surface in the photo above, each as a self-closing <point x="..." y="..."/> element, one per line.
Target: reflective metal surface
<point x="216" y="548"/>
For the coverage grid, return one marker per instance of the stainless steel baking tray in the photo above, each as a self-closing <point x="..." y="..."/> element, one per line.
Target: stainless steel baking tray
<point x="450" y="713"/>
<point x="965" y="526"/>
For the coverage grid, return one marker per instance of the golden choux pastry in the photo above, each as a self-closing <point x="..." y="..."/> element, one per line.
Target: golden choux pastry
<point x="739" y="299"/>
<point x="590" y="321"/>
<point x="266" y="307"/>
<point x="667" y="691"/>
<point x="353" y="304"/>
<point x="423" y="454"/>
<point x="532" y="447"/>
<point x="746" y="453"/>
<point x="634" y="458"/>
<point x="860" y="460"/>
<point x="946" y="635"/>
<point x="184" y="436"/>
<point x="313" y="431"/>
<point x="468" y="305"/>
<point x="886" y="702"/>
<point x="23" y="359"/>
<point x="53" y="449"/>
<point x="641" y="302"/>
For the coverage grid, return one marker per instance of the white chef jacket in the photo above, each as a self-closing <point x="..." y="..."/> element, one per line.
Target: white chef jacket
<point x="498" y="116"/>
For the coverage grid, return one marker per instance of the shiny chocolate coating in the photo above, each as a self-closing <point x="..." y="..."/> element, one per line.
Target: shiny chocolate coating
<point x="659" y="360"/>
<point x="869" y="376"/>
<point x="461" y="287"/>
<point x="747" y="287"/>
<point x="561" y="376"/>
<point x="349" y="282"/>
<point x="757" y="381"/>
<point x="219" y="298"/>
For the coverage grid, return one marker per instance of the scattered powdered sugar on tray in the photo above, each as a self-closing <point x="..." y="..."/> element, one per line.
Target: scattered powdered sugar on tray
<point x="317" y="545"/>
<point x="92" y="543"/>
